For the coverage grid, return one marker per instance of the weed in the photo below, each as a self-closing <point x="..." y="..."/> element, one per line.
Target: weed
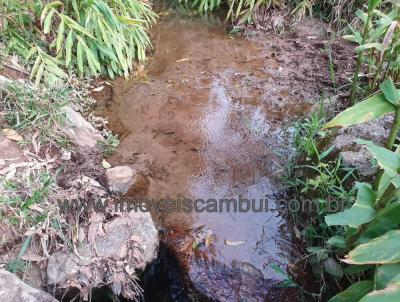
<point x="110" y="144"/>
<point x="35" y="111"/>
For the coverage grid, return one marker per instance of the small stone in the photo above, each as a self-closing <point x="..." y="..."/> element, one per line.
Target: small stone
<point x="122" y="179"/>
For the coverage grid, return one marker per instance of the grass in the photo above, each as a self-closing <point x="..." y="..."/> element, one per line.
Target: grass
<point x="35" y="112"/>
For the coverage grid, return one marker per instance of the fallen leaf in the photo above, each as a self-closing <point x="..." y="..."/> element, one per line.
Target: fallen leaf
<point x="97" y="89"/>
<point x="12" y="134"/>
<point x="35" y="207"/>
<point x="33" y="258"/>
<point x="106" y="164"/>
<point x="182" y="60"/>
<point x="233" y="243"/>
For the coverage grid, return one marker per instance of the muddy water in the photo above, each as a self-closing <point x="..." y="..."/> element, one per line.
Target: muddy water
<point x="205" y="119"/>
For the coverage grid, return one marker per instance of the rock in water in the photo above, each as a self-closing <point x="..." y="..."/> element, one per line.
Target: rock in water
<point x="12" y="289"/>
<point x="127" y="180"/>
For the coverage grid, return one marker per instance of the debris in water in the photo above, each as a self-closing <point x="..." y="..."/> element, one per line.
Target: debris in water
<point x="234" y="243"/>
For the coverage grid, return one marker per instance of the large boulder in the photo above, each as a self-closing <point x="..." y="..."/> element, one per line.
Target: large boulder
<point x="110" y="253"/>
<point x="12" y="289"/>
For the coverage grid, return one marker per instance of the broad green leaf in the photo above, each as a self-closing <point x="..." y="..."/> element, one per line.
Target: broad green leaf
<point x="361" y="212"/>
<point x="381" y="250"/>
<point x="337" y="241"/>
<point x="356" y="269"/>
<point x="388" y="160"/>
<point x="354" y="292"/>
<point x="389" y="294"/>
<point x="365" y="111"/>
<point x="387" y="274"/>
<point x="332" y="267"/>
<point x="387" y="219"/>
<point x="390" y="92"/>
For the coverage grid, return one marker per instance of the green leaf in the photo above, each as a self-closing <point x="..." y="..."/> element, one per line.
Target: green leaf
<point x="386" y="220"/>
<point x="356" y="269"/>
<point x="381" y="250"/>
<point x="332" y="267"/>
<point x="361" y="212"/>
<point x="388" y="274"/>
<point x="337" y="241"/>
<point x="389" y="294"/>
<point x="60" y="36"/>
<point x="354" y="292"/>
<point x="47" y="22"/>
<point x="68" y="48"/>
<point x="79" y="57"/>
<point x="388" y="160"/>
<point x="390" y="92"/>
<point x="372" y="4"/>
<point x="365" y="111"/>
<point x="363" y="47"/>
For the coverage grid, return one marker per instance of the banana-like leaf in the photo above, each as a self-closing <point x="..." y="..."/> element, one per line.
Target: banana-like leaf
<point x="381" y="250"/>
<point x="392" y="94"/>
<point x="361" y="212"/>
<point x="389" y="294"/>
<point x="354" y="292"/>
<point x="388" y="160"/>
<point x="386" y="275"/>
<point x="365" y="111"/>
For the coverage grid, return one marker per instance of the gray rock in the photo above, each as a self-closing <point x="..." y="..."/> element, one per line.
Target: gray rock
<point x="80" y="131"/>
<point x="120" y="178"/>
<point x="111" y="253"/>
<point x="355" y="155"/>
<point x="127" y="180"/>
<point x="12" y="289"/>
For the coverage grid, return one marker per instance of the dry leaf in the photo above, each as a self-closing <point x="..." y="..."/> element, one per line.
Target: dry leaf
<point x="183" y="60"/>
<point x="97" y="89"/>
<point x="106" y="164"/>
<point x="33" y="257"/>
<point x="12" y="134"/>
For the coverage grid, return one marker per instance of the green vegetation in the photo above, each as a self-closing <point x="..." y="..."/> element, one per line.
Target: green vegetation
<point x="90" y="37"/>
<point x="357" y="247"/>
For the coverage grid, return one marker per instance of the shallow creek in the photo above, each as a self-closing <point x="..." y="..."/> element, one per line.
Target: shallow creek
<point x="205" y="119"/>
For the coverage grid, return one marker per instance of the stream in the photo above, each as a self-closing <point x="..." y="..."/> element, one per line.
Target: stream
<point x="204" y="119"/>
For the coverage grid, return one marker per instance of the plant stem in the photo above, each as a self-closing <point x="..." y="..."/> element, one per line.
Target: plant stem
<point x="395" y="130"/>
<point x="354" y="86"/>
<point x="390" y="142"/>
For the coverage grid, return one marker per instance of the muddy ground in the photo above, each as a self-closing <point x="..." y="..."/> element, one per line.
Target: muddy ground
<point x="206" y="117"/>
